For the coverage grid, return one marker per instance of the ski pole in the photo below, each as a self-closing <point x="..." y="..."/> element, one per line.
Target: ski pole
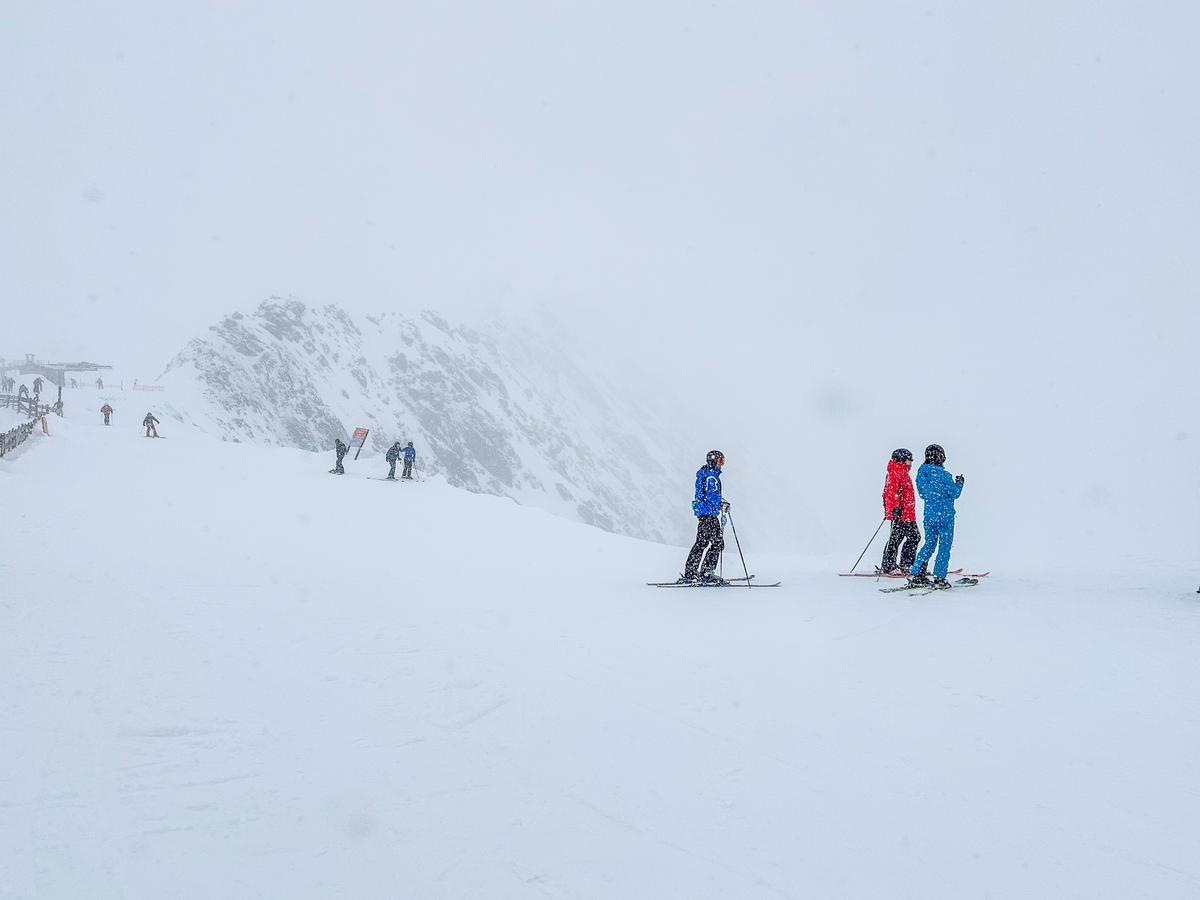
<point x="868" y="547"/>
<point x="739" y="546"/>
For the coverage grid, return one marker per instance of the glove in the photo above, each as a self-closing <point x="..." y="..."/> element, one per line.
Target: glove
<point x="724" y="506"/>
<point x="958" y="479"/>
<point x="896" y="514"/>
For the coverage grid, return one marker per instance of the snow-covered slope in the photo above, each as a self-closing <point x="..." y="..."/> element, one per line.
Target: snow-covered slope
<point x="228" y="674"/>
<point x="503" y="410"/>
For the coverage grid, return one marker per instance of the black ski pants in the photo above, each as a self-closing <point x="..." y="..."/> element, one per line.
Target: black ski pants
<point x="708" y="537"/>
<point x="392" y="470"/>
<point x="904" y="537"/>
<point x="407" y="473"/>
<point x="337" y="467"/>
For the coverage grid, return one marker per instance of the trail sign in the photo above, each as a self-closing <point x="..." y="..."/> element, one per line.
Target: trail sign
<point x="360" y="435"/>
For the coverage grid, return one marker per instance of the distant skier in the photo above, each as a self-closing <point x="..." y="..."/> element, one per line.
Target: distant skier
<point x="707" y="507"/>
<point x="148" y="423"/>
<point x="939" y="491"/>
<point x="99" y="382"/>
<point x="340" y="448"/>
<point x="107" y="411"/>
<point x="410" y="456"/>
<point x="393" y="456"/>
<point x="37" y="385"/>
<point x="74" y="385"/>
<point x="900" y="508"/>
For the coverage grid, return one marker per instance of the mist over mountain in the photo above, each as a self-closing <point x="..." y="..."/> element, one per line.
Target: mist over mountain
<point x="502" y="409"/>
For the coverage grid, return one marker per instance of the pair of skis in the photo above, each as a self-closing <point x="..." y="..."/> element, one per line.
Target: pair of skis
<point x="728" y="582"/>
<point x="965" y="581"/>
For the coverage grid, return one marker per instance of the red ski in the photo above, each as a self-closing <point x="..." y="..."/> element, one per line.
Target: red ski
<point x="897" y="575"/>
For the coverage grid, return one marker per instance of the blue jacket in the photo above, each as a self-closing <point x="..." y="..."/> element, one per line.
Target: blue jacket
<point x="393" y="454"/>
<point x="409" y="454"/>
<point x="708" y="492"/>
<point x="939" y="491"/>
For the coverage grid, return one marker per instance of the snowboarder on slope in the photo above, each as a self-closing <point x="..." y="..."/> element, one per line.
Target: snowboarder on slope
<point x="409" y="456"/>
<point x="707" y="508"/>
<point x="149" y="422"/>
<point x="393" y="455"/>
<point x="340" y="449"/>
<point x="900" y="508"/>
<point x="939" y="491"/>
<point x="107" y="411"/>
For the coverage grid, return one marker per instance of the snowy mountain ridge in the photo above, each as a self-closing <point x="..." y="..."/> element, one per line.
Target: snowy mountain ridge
<point x="501" y="410"/>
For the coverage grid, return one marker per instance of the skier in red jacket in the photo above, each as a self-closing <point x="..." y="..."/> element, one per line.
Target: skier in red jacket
<point x="900" y="508"/>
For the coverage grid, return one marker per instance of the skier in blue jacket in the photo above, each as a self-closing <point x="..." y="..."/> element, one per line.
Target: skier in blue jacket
<point x="939" y="491"/>
<point x="410" y="456"/>
<point x="707" y="508"/>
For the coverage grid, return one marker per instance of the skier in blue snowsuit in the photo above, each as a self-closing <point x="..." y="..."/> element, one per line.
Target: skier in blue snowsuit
<point x="707" y="507"/>
<point x="939" y="491"/>
<point x="410" y="456"/>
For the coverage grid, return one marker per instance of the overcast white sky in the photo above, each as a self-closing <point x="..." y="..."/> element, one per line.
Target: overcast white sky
<point x="859" y="214"/>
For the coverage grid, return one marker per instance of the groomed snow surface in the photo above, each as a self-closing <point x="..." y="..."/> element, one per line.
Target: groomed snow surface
<point x="226" y="673"/>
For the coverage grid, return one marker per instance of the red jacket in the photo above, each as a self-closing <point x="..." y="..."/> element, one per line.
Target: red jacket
<point x="106" y="408"/>
<point x="898" y="491"/>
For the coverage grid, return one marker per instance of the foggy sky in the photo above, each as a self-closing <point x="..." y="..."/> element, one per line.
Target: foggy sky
<point x="821" y="223"/>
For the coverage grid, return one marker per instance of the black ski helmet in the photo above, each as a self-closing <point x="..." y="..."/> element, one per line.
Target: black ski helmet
<point x="935" y="454"/>
<point x="714" y="458"/>
<point x="902" y="455"/>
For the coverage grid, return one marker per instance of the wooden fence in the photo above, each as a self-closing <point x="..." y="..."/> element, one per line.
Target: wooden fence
<point x="15" y="437"/>
<point x="22" y="403"/>
<point x="27" y="404"/>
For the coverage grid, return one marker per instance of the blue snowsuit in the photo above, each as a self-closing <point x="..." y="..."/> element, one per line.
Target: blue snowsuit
<point x="708" y="492"/>
<point x="409" y="455"/>
<point x="939" y="491"/>
<point x="710" y="543"/>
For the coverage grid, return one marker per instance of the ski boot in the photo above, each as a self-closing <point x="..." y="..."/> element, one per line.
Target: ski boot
<point x="711" y="578"/>
<point x="941" y="584"/>
<point x="921" y="579"/>
<point x="687" y="579"/>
